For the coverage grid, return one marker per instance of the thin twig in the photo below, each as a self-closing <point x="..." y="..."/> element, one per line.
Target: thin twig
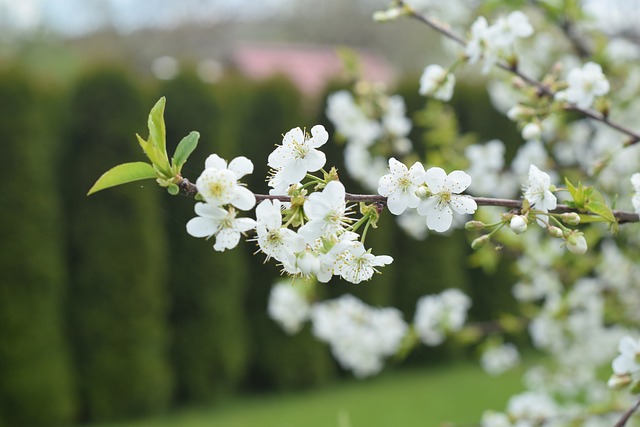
<point x="625" y="417"/>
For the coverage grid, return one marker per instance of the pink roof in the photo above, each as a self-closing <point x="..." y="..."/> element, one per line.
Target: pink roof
<point x="309" y="67"/>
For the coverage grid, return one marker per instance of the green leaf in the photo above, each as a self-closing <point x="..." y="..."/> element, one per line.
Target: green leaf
<point x="157" y="132"/>
<point x="577" y="194"/>
<point x="121" y="174"/>
<point x="184" y="150"/>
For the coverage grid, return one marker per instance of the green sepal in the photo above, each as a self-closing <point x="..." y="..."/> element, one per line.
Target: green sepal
<point x="173" y="189"/>
<point x="183" y="151"/>
<point x="122" y="174"/>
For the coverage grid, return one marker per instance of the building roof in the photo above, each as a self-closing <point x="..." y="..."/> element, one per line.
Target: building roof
<point x="310" y="68"/>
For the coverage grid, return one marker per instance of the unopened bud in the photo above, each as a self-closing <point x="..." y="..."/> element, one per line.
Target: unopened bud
<point x="554" y="231"/>
<point x="423" y="192"/>
<point x="518" y="224"/>
<point x="531" y="131"/>
<point x="474" y="225"/>
<point x="570" y="218"/>
<point x="617" y="382"/>
<point x="576" y="243"/>
<point x="480" y="242"/>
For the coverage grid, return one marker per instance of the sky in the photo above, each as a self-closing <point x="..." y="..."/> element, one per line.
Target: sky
<point x="75" y="17"/>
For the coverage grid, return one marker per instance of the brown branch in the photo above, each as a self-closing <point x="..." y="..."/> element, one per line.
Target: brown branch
<point x="542" y="88"/>
<point x="625" y="417"/>
<point x="189" y="189"/>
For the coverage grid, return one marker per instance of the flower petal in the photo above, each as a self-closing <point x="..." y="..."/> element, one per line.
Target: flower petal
<point x="458" y="181"/>
<point x="241" y="166"/>
<point x="202" y="227"/>
<point x="463" y="204"/>
<point x="436" y="179"/>
<point x="243" y="198"/>
<point x="215" y="161"/>
<point x="226" y="239"/>
<point x="440" y="218"/>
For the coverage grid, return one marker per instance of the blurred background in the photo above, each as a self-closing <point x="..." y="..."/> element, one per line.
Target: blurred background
<point x="108" y="309"/>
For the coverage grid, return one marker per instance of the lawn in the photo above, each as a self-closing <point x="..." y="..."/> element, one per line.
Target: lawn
<point x="427" y="397"/>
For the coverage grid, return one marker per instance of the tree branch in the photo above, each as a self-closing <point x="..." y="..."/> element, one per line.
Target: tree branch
<point x="542" y="88"/>
<point x="189" y="189"/>
<point x="625" y="417"/>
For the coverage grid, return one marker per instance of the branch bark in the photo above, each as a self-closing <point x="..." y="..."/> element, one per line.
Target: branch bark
<point x="625" y="417"/>
<point x="189" y="189"/>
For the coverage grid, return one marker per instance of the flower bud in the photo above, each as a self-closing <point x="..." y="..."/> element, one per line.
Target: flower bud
<point x="474" y="225"/>
<point x="480" y="242"/>
<point x="570" y="218"/>
<point x="617" y="382"/>
<point x="576" y="243"/>
<point x="518" y="224"/>
<point x="423" y="192"/>
<point x="308" y="263"/>
<point x="554" y="231"/>
<point x="531" y="131"/>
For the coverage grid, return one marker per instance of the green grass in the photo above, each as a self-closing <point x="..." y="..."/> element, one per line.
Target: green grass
<point x="427" y="397"/>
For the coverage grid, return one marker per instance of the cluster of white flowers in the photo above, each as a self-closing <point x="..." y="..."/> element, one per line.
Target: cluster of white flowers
<point x="584" y="85"/>
<point x="499" y="359"/>
<point x="626" y="366"/>
<point x="433" y="193"/>
<point x="323" y="245"/>
<point x="360" y="336"/>
<point x="288" y="307"/>
<point x="497" y="41"/>
<point x="365" y="123"/>
<point x="438" y="315"/>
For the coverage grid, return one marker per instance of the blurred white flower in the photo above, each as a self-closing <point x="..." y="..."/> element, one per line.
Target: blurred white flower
<point x="496" y="360"/>
<point x="360" y="336"/>
<point x="635" y="199"/>
<point x="437" y="83"/>
<point x="628" y="361"/>
<point x="437" y="315"/>
<point x="288" y="307"/>
<point x="585" y="84"/>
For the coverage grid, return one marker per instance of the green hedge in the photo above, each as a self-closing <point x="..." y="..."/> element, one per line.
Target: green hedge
<point x="36" y="381"/>
<point x="117" y="251"/>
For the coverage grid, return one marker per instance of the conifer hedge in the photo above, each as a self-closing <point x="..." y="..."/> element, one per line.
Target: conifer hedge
<point x="36" y="381"/>
<point x="117" y="252"/>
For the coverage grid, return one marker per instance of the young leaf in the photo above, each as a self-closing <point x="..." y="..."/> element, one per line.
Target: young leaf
<point x="121" y="174"/>
<point x="184" y="150"/>
<point x="157" y="133"/>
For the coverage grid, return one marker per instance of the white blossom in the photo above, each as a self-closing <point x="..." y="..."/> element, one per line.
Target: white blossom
<point x="518" y="224"/>
<point x="537" y="190"/>
<point x="298" y="155"/>
<point x="288" y="307"/>
<point x="357" y="264"/>
<point x="445" y="198"/>
<point x="218" y="222"/>
<point x="219" y="186"/>
<point x="400" y="186"/>
<point x="274" y="240"/>
<point x="327" y="212"/>
<point x="437" y="83"/>
<point x="628" y="361"/>
<point x="349" y="119"/>
<point x="585" y="84"/>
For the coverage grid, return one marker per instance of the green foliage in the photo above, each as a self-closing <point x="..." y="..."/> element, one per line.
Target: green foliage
<point x="118" y="295"/>
<point x="209" y="328"/>
<point x="36" y="384"/>
<point x="122" y="174"/>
